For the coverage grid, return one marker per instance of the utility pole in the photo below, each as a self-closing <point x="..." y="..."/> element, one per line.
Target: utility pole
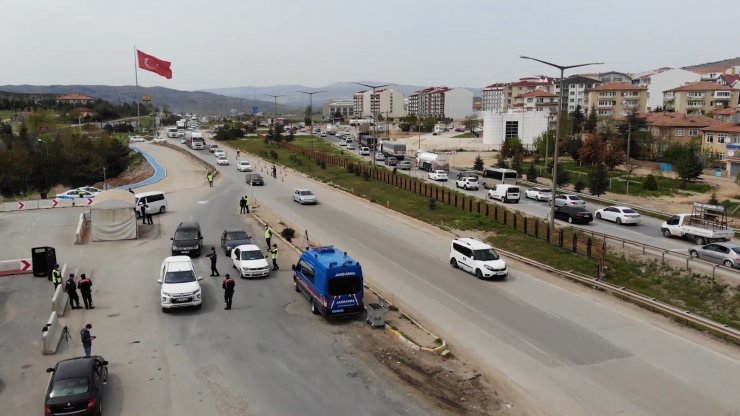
<point x="375" y="130"/>
<point x="275" y="97"/>
<point x="310" y="105"/>
<point x="629" y="142"/>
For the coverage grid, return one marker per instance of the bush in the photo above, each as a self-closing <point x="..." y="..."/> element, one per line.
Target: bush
<point x="323" y="165"/>
<point x="532" y="173"/>
<point x="650" y="183"/>
<point x="432" y="204"/>
<point x="366" y="175"/>
<point x="478" y="163"/>
<point x="579" y="186"/>
<point x="713" y="200"/>
<point x="288" y="234"/>
<point x="273" y="155"/>
<point x="563" y="177"/>
<point x="350" y="167"/>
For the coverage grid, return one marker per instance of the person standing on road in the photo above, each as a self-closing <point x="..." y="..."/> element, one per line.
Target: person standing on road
<point x="71" y="288"/>
<point x="210" y="179"/>
<point x="237" y="153"/>
<point x="274" y="253"/>
<point x="142" y="212"/>
<point x="56" y="276"/>
<point x="148" y="213"/>
<point x="87" y="339"/>
<point x="81" y="193"/>
<point x="274" y="171"/>
<point x="246" y="203"/>
<point x="228" y="286"/>
<point x="268" y="235"/>
<point x="213" y="256"/>
<point x="131" y="190"/>
<point x="85" y="286"/>
<point x="242" y="206"/>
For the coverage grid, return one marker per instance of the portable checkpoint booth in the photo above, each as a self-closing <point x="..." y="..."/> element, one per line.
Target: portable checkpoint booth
<point x="112" y="216"/>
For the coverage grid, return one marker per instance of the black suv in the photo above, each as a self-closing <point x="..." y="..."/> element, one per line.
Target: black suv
<point x="187" y="240"/>
<point x="578" y="215"/>
<point x="254" y="179"/>
<point x="76" y="386"/>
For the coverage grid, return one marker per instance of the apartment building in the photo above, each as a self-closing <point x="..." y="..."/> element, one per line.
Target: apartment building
<point x="718" y="137"/>
<point x="662" y="79"/>
<point x="454" y="103"/>
<point x="613" y="76"/>
<point x="515" y="90"/>
<point x="494" y="97"/>
<point x="576" y="91"/>
<point x="670" y="128"/>
<point x="342" y="107"/>
<point x="361" y="102"/>
<point x="388" y="102"/>
<point x="700" y="97"/>
<point x="617" y="99"/>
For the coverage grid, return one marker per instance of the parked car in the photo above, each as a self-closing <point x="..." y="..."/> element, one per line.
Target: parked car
<point x="222" y="161"/>
<point x="404" y="165"/>
<point x="159" y="140"/>
<point x="569" y="200"/>
<point x="438" y="175"/>
<point x="75" y="193"/>
<point x="538" y="193"/>
<point x="179" y="284"/>
<point x="187" y="239"/>
<point x="574" y="214"/>
<point x="249" y="260"/>
<point x="243" y="166"/>
<point x="379" y="157"/>
<point x="620" y="215"/>
<point x="467" y="182"/>
<point x="726" y="254"/>
<point x="477" y="257"/>
<point x="137" y="139"/>
<point x="391" y="161"/>
<point x="254" y="179"/>
<point x="304" y="196"/>
<point x="364" y="151"/>
<point x="76" y="386"/>
<point x="233" y="238"/>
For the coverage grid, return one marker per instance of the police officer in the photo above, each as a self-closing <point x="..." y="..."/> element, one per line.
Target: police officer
<point x="81" y="193"/>
<point x="56" y="276"/>
<point x="210" y="179"/>
<point x="274" y="253"/>
<point x="85" y="286"/>
<point x="142" y="211"/>
<point x="71" y="288"/>
<point x="268" y="235"/>
<point x="242" y="205"/>
<point x="228" y="286"/>
<point x="246" y="203"/>
<point x="213" y="256"/>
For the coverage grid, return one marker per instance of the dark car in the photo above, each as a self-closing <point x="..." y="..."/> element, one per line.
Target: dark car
<point x="578" y="215"/>
<point x="76" y="386"/>
<point x="254" y="179"/>
<point x="234" y="238"/>
<point x="187" y="240"/>
<point x="391" y="161"/>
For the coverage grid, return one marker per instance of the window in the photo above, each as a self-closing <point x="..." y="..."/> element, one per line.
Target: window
<point x="462" y="250"/>
<point x="709" y="137"/>
<point x="306" y="271"/>
<point x="722" y="138"/>
<point x="721" y="156"/>
<point x="678" y="132"/>
<point x="512" y="129"/>
<point x="345" y="285"/>
<point x="693" y="132"/>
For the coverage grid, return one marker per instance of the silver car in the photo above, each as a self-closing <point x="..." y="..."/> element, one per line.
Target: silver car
<point x="726" y="254"/>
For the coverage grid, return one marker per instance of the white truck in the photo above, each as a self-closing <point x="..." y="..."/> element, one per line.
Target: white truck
<point x="196" y="141"/>
<point x="397" y="150"/>
<point x="331" y="129"/>
<point x="705" y="224"/>
<point x="429" y="161"/>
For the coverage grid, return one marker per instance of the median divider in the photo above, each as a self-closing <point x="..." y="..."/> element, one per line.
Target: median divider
<point x="83" y="227"/>
<point x="60" y="300"/>
<point x="51" y="334"/>
<point x="210" y="167"/>
<point x="17" y="266"/>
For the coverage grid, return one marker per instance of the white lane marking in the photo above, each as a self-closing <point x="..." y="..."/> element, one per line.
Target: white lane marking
<point x="203" y="202"/>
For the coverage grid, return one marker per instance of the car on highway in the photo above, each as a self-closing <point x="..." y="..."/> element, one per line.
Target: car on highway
<point x="404" y="165"/>
<point x="212" y="148"/>
<point x="505" y="193"/>
<point x="76" y="386"/>
<point x="187" y="239"/>
<point x="218" y="153"/>
<point x="364" y="151"/>
<point x="391" y="161"/>
<point x="342" y="142"/>
<point x="323" y="134"/>
<point x="538" y="193"/>
<point x="75" y="193"/>
<point x="93" y="190"/>
<point x="379" y="157"/>
<point x="304" y="196"/>
<point x="234" y="238"/>
<point x="250" y="261"/>
<point x="137" y="139"/>
<point x="467" y="182"/>
<point x="438" y="175"/>
<point x="159" y="140"/>
<point x="243" y="166"/>
<point x="620" y="215"/>
<point x="222" y="161"/>
<point x="574" y="214"/>
<point x="254" y="179"/>
<point x="569" y="200"/>
<point x="179" y="284"/>
<point x="183" y="140"/>
<point x="477" y="258"/>
<point x="726" y="254"/>
<point x="351" y="146"/>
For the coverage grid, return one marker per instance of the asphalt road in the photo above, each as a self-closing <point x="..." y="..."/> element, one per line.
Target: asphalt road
<point x="267" y="356"/>
<point x="573" y="351"/>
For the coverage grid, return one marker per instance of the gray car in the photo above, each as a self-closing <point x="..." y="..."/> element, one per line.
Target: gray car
<point x="404" y="165"/>
<point x="234" y="238"/>
<point x="726" y="254"/>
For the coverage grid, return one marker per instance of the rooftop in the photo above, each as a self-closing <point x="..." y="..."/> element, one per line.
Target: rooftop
<point x="700" y="86"/>
<point x="75" y="97"/>
<point x="665" y="119"/>
<point x="619" y="86"/>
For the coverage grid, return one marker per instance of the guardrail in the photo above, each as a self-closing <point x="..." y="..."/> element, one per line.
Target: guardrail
<point x="686" y="317"/>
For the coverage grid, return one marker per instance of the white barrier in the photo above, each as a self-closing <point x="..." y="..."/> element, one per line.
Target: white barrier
<point x="81" y="230"/>
<point x="17" y="266"/>
<point x="51" y="335"/>
<point x="20" y="205"/>
<point x="54" y="203"/>
<point x="60" y="300"/>
<point x="46" y="204"/>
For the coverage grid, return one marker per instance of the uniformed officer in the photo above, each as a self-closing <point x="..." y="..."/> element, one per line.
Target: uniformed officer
<point x="85" y="286"/>
<point x="56" y="276"/>
<point x="228" y="286"/>
<point x="268" y="235"/>
<point x="71" y="288"/>
<point x="274" y="252"/>
<point x="242" y="206"/>
<point x="213" y="256"/>
<point x="246" y="203"/>
<point x="210" y="179"/>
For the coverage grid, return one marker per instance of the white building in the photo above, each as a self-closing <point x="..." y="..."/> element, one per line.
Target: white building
<point x="454" y="103"/>
<point x="526" y="125"/>
<point x="493" y="97"/>
<point x="343" y="107"/>
<point x="663" y="79"/>
<point x="388" y="102"/>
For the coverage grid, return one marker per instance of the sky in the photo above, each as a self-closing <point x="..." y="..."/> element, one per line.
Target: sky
<point x="465" y="43"/>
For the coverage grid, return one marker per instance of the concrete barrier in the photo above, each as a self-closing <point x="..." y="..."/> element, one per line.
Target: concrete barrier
<point x="20" y="205"/>
<point x="60" y="300"/>
<point x="54" y="203"/>
<point x="83" y="226"/>
<point x="17" y="266"/>
<point x="51" y="335"/>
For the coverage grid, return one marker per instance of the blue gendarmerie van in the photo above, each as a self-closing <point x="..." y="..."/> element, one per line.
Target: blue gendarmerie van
<point x="331" y="281"/>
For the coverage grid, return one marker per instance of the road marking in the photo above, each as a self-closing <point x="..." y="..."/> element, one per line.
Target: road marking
<point x="203" y="202"/>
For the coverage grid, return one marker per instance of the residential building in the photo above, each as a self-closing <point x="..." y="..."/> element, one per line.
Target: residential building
<point x="441" y="102"/>
<point x="662" y="79"/>
<point x="75" y="99"/>
<point x="668" y="128"/>
<point x="343" y="107"/>
<point x="576" y="91"/>
<point x="700" y="98"/>
<point x="538" y="100"/>
<point x="613" y="76"/>
<point x="727" y="115"/>
<point x="526" y="125"/>
<point x="617" y="99"/>
<point x="383" y="101"/>
<point x="85" y="112"/>
<point x="717" y="139"/>
<point x="729" y="81"/>
<point x="515" y="90"/>
<point x="493" y="97"/>
<point x="361" y="102"/>
<point x="714" y="70"/>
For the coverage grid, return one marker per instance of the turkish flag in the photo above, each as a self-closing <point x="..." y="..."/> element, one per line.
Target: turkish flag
<point x="153" y="64"/>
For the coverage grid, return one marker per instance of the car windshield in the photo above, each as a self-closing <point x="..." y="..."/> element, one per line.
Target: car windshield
<point x="574" y="198"/>
<point x="186" y="235"/>
<point x="306" y="193"/>
<point x="69" y="387"/>
<point x="179" y="277"/>
<point x="237" y="235"/>
<point x="487" y="254"/>
<point x="252" y="255"/>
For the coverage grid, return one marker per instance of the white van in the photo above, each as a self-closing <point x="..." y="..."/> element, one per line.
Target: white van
<point x="477" y="257"/>
<point x="505" y="193"/>
<point x="155" y="199"/>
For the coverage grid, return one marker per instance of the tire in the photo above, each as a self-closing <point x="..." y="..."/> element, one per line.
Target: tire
<point x="478" y="274"/>
<point x="314" y="308"/>
<point x="598" y="215"/>
<point x="99" y="411"/>
<point x="700" y="241"/>
<point x="666" y="234"/>
<point x="570" y="220"/>
<point x="619" y="221"/>
<point x="164" y="310"/>
<point x="197" y="307"/>
<point x="727" y="263"/>
<point x="296" y="287"/>
<point x="162" y="209"/>
<point x="138" y="215"/>
<point x="694" y="254"/>
<point x="453" y="263"/>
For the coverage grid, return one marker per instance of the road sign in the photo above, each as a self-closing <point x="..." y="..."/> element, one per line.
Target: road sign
<point x="25" y="265"/>
<point x="89" y="201"/>
<point x="255" y="110"/>
<point x="21" y="205"/>
<point x="54" y="203"/>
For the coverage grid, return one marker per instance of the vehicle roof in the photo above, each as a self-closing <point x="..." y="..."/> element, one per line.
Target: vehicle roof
<point x="302" y="189"/>
<point x="619" y="207"/>
<point x="149" y="193"/>
<point x="247" y="247"/>
<point x="472" y="243"/>
<point x="328" y="257"/>
<point x="74" y="367"/>
<point x="188" y="226"/>
<point x="178" y="263"/>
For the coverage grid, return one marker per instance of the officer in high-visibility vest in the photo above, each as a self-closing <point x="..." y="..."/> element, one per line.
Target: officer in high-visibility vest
<point x="268" y="235"/>
<point x="274" y="252"/>
<point x="210" y="179"/>
<point x="56" y="276"/>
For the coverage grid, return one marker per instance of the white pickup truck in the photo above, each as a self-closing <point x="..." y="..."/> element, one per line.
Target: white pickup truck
<point x="696" y="227"/>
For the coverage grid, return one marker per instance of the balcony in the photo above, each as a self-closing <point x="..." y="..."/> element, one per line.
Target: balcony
<point x="695" y="104"/>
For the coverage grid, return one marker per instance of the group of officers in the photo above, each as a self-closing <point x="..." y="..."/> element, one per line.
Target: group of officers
<point x="70" y="287"/>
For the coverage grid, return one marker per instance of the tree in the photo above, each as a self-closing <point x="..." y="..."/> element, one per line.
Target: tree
<point x="614" y="154"/>
<point x="500" y="161"/>
<point x="307" y="115"/>
<point x="577" y="120"/>
<point x="545" y="143"/>
<point x="598" y="180"/>
<point x="650" y="183"/>
<point x="592" y="150"/>
<point x="478" y="163"/>
<point x="574" y="146"/>
<point x="592" y="122"/>
<point x="578" y="186"/>
<point x="532" y="173"/>
<point x="563" y="177"/>
<point x="512" y="146"/>
<point x="686" y="161"/>
<point x="516" y="163"/>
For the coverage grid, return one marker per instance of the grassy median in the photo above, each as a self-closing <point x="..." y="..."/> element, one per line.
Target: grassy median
<point x="697" y="293"/>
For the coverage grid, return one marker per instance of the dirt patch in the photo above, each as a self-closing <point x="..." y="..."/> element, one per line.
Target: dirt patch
<point x="136" y="172"/>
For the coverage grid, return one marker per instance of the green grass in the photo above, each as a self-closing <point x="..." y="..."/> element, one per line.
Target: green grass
<point x="6" y="114"/>
<point x="468" y="135"/>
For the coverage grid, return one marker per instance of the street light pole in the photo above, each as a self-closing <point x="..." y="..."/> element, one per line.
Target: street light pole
<point x="275" y="97"/>
<point x="310" y="105"/>
<point x="375" y="130"/>
<point x="562" y="69"/>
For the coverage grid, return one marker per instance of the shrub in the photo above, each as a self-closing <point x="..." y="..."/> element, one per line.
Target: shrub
<point x="532" y="173"/>
<point x="650" y="183"/>
<point x="579" y="186"/>
<point x="350" y="167"/>
<point x="563" y="177"/>
<point x="273" y="154"/>
<point x="478" y="163"/>
<point x="713" y="200"/>
<point x="323" y="165"/>
<point x="288" y="234"/>
<point x="432" y="204"/>
<point x="366" y="175"/>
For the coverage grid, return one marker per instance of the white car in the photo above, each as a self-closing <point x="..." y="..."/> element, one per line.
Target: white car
<point x="183" y="140"/>
<point x="304" y="196"/>
<point x="620" y="215"/>
<point x="351" y="146"/>
<point x="342" y="142"/>
<point x="222" y="161"/>
<point x="250" y="261"/>
<point x="438" y="175"/>
<point x="364" y="151"/>
<point x="244" y="166"/>
<point x="218" y="153"/>
<point x="538" y="193"/>
<point x="159" y="140"/>
<point x="179" y="281"/>
<point x="467" y="182"/>
<point x="323" y="134"/>
<point x="379" y="156"/>
<point x="569" y="200"/>
<point x="93" y="190"/>
<point x="138" y="139"/>
<point x="75" y="193"/>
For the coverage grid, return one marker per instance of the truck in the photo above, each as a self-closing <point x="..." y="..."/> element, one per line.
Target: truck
<point x="367" y="141"/>
<point x="331" y="129"/>
<point x="429" y="161"/>
<point x="706" y="223"/>
<point x="180" y="124"/>
<point x="397" y="150"/>
<point x="196" y="141"/>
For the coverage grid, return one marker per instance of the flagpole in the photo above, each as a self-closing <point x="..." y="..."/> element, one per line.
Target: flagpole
<point x="136" y="75"/>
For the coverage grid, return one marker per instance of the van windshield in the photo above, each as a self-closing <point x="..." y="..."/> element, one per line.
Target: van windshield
<point x="186" y="235"/>
<point x="485" y="254"/>
<point x="345" y="286"/>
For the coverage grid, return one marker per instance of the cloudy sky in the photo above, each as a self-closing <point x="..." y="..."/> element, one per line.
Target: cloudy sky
<point x="472" y="43"/>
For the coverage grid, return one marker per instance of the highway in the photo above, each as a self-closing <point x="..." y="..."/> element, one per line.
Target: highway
<point x="573" y="351"/>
